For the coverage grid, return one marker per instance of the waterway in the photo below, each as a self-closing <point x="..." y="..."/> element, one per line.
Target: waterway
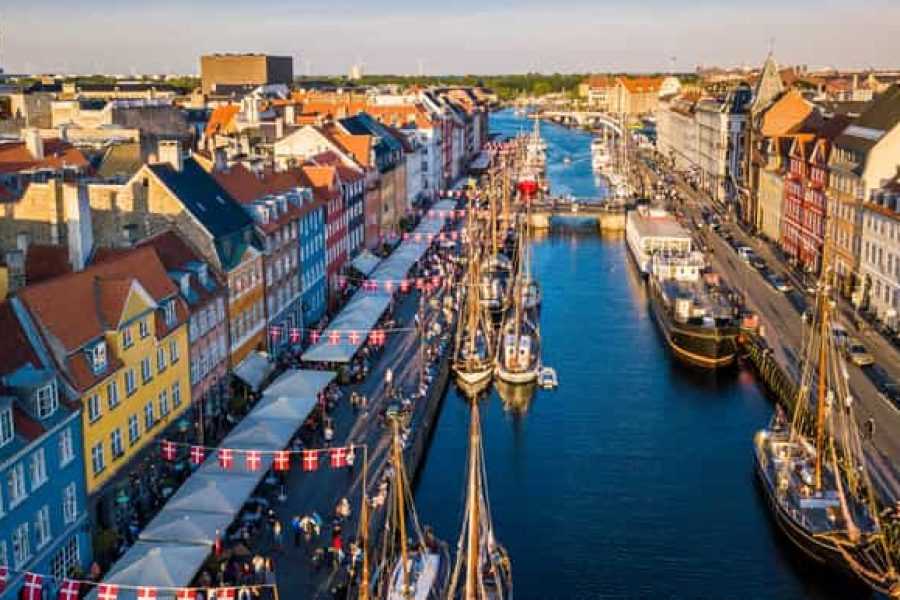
<point x="634" y="479"/>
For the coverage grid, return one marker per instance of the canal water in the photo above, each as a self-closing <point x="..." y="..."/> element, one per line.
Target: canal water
<point x="634" y="479"/>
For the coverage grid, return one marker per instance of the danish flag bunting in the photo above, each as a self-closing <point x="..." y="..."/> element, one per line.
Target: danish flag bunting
<point x="226" y="458"/>
<point x="146" y="593"/>
<point x="197" y="455"/>
<point x="404" y="286"/>
<point x="295" y="335"/>
<point x="334" y="338"/>
<point x="314" y="336"/>
<point x="310" y="460"/>
<point x="354" y="337"/>
<point x="275" y="332"/>
<point x="406" y="237"/>
<point x="436" y="280"/>
<point x="168" y="450"/>
<point x="376" y="337"/>
<point x="338" y="458"/>
<point x="186" y="594"/>
<point x="107" y="591"/>
<point x="69" y="590"/>
<point x="253" y="460"/>
<point x="34" y="584"/>
<point x="420" y="284"/>
<point x="282" y="460"/>
<point x="389" y="286"/>
<point x="221" y="594"/>
<point x="4" y="576"/>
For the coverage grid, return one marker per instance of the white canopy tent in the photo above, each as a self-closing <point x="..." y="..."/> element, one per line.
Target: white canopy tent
<point x="365" y="262"/>
<point x="212" y="497"/>
<point x="254" y="369"/>
<point x="365" y="308"/>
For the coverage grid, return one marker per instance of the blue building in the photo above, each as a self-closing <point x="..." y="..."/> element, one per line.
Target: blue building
<point x="43" y="502"/>
<point x="313" y="286"/>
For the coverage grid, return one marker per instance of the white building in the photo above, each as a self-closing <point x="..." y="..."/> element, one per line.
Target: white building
<point x="880" y="252"/>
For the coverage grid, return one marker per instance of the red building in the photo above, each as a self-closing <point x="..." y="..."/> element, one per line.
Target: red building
<point x="327" y="189"/>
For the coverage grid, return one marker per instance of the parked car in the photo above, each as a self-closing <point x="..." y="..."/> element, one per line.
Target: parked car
<point x="841" y="337"/>
<point x="858" y="354"/>
<point x="890" y="392"/>
<point x="758" y="263"/>
<point x="745" y="253"/>
<point x="780" y="284"/>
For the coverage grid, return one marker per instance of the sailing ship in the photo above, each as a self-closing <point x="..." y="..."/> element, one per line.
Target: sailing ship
<point x="813" y="471"/>
<point x="533" y="164"/>
<point x="482" y="570"/>
<point x="418" y="573"/>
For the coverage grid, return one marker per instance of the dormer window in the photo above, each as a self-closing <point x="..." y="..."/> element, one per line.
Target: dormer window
<point x="46" y="400"/>
<point x="170" y="313"/>
<point x="98" y="357"/>
<point x="7" y="431"/>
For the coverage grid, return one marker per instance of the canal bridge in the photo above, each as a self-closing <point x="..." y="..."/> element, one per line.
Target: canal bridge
<point x="583" y="118"/>
<point x="608" y="216"/>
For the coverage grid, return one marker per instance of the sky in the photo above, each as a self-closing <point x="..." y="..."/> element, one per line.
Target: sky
<point x="453" y="36"/>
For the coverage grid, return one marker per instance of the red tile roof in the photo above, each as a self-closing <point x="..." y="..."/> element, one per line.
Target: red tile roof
<point x="359" y="146"/>
<point x="45" y="261"/>
<point x="16" y="350"/>
<point x="323" y="180"/>
<point x="641" y="85"/>
<point x="221" y="118"/>
<point x="347" y="174"/>
<point x="15" y="157"/>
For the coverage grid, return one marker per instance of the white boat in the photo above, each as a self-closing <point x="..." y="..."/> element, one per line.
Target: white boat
<point x="649" y="231"/>
<point x="548" y="379"/>
<point x="600" y="154"/>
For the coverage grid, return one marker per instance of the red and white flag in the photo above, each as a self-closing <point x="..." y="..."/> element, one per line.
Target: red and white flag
<point x="226" y="458"/>
<point x="404" y="286"/>
<point x="389" y="286"/>
<point x="295" y="335"/>
<point x="222" y="594"/>
<point x="146" y="593"/>
<point x="354" y="337"/>
<point x="436" y="280"/>
<point x="253" y="460"/>
<point x="107" y="591"/>
<point x="282" y="460"/>
<point x="33" y="587"/>
<point x="376" y="337"/>
<point x="197" y="455"/>
<point x="338" y="458"/>
<point x="69" y="590"/>
<point x="314" y="336"/>
<point x="4" y="576"/>
<point x="334" y="338"/>
<point x="168" y="450"/>
<point x="186" y="594"/>
<point x="310" y="460"/>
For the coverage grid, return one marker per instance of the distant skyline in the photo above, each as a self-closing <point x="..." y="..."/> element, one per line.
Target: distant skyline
<point x="503" y="36"/>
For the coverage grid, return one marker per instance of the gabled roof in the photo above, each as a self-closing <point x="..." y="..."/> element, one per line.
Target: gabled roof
<point x="16" y="350"/>
<point x="46" y="261"/>
<point x="14" y="157"/>
<point x="358" y="146"/>
<point x="791" y="113"/>
<point x="198" y="191"/>
<point x="221" y="119"/>
<point x="177" y="255"/>
<point x="347" y="174"/>
<point x="246" y="186"/>
<point x="121" y="160"/>
<point x="600" y="81"/>
<point x="641" y="85"/>
<point x="881" y="117"/>
<point x="323" y="180"/>
<point x="76" y="308"/>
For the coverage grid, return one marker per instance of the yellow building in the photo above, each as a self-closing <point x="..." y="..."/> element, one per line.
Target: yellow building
<point x="118" y="334"/>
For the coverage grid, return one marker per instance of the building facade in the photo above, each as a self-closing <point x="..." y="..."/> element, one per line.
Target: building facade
<point x="218" y="70"/>
<point x="880" y="256"/>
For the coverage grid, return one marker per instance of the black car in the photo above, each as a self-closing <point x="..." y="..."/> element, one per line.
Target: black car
<point x="890" y="391"/>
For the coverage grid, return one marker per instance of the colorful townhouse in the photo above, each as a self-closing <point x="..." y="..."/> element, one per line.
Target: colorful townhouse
<point x="880" y="257"/>
<point x="117" y="333"/>
<point x="313" y="262"/>
<point x="43" y="502"/>
<point x="274" y="199"/>
<point x="327" y="190"/>
<point x="204" y="290"/>
<point x="353" y="191"/>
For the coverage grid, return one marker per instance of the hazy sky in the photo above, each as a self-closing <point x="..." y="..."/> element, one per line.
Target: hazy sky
<point x="453" y="36"/>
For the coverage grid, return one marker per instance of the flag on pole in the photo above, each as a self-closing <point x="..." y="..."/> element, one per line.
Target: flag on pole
<point x="226" y="458"/>
<point x="310" y="460"/>
<point x="282" y="460"/>
<point x="168" y="450"/>
<point x="197" y="455"/>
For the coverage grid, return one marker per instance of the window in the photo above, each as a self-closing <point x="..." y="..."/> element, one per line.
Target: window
<point x="127" y="341"/>
<point x="173" y="351"/>
<point x="66" y="448"/>
<point x="94" y="408"/>
<point x="149" y="419"/>
<point x="170" y="313"/>
<point x="146" y="370"/>
<point x="134" y="429"/>
<point x="176" y="394"/>
<point x="21" y="545"/>
<point x="160" y="359"/>
<point x="112" y="394"/>
<point x="15" y="479"/>
<point x="144" y="328"/>
<point x="66" y="559"/>
<point x="42" y="526"/>
<point x="115" y="444"/>
<point x="163" y="404"/>
<point x="47" y="400"/>
<point x="130" y="385"/>
<point x="38" y="469"/>
<point x="6" y="426"/>
<point x="97" y="461"/>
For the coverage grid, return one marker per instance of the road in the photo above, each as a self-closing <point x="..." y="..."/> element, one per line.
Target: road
<point x="783" y="329"/>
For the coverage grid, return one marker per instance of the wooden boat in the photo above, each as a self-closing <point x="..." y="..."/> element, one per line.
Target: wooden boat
<point x="813" y="471"/>
<point x="482" y="570"/>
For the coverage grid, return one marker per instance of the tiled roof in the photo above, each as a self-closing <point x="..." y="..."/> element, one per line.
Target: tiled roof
<point x="221" y="118"/>
<point x="121" y="160"/>
<point x="641" y="85"/>
<point x="176" y="254"/>
<point x="600" y="81"/>
<point x="346" y="173"/>
<point x="45" y="261"/>
<point x="881" y="117"/>
<point x="791" y="113"/>
<point x="204" y="198"/>
<point x="16" y="350"/>
<point x="323" y="180"/>
<point x="247" y="186"/>
<point x="359" y="146"/>
<point x="14" y="157"/>
<point x="76" y="308"/>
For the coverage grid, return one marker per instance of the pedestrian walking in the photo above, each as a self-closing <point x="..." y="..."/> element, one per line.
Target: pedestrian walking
<point x="277" y="532"/>
<point x="296" y="525"/>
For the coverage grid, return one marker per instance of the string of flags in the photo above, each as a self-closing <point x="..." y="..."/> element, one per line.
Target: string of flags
<point x="375" y="337"/>
<point x="392" y="285"/>
<point x="282" y="460"/>
<point x="70" y="589"/>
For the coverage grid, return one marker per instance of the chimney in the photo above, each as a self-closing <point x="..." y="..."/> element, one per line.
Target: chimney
<point x="79" y="226"/>
<point x="290" y="114"/>
<point x="855" y="81"/>
<point x="279" y="128"/>
<point x="33" y="142"/>
<point x="169" y="151"/>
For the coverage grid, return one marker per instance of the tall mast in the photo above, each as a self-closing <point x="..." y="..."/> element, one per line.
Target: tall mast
<point x="399" y="494"/>
<point x="472" y="535"/>
<point x="821" y="395"/>
<point x="364" y="531"/>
